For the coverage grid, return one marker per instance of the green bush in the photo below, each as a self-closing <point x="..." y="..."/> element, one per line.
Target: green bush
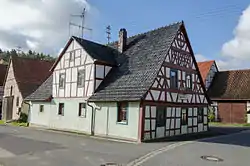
<point x="211" y="116"/>
<point x="23" y="118"/>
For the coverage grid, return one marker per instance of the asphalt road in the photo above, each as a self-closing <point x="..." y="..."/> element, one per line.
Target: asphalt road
<point x="30" y="147"/>
<point x="226" y="150"/>
<point x="21" y="146"/>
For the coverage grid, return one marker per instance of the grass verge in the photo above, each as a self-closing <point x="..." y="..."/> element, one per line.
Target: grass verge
<point x="229" y="124"/>
<point x="19" y="124"/>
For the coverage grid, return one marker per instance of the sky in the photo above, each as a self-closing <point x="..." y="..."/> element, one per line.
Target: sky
<point x="218" y="30"/>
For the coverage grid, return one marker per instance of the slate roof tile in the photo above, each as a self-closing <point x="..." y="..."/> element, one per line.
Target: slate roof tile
<point x="139" y="65"/>
<point x="43" y="92"/>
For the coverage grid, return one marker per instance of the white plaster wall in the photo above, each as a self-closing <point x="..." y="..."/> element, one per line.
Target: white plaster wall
<point x="70" y="120"/>
<point x="11" y="82"/>
<point x="39" y="118"/>
<point x="106" y="121"/>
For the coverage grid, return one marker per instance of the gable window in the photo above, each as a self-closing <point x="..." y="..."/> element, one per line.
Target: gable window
<point x="189" y="81"/>
<point x="122" y="112"/>
<point x="17" y="101"/>
<point x="41" y="108"/>
<point x="173" y="79"/>
<point x="200" y="114"/>
<point x="11" y="90"/>
<point x="82" y="110"/>
<point x="184" y="116"/>
<point x="80" y="78"/>
<point x="160" y="117"/>
<point x="61" y="80"/>
<point x="72" y="56"/>
<point x="61" y="109"/>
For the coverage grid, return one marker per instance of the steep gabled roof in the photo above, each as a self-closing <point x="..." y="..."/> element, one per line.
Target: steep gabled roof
<point x="97" y="51"/>
<point x="204" y="68"/>
<point x="230" y="85"/>
<point x="3" y="70"/>
<point x="44" y="92"/>
<point x="30" y="73"/>
<point x="138" y="65"/>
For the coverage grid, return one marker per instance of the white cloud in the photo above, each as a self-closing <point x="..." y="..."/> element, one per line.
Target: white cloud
<point x="200" y="58"/>
<point x="42" y="25"/>
<point x="236" y="52"/>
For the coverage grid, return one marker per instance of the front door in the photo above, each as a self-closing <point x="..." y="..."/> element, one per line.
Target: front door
<point x="7" y="111"/>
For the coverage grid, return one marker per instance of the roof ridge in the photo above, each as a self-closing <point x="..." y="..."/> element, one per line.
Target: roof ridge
<point x="206" y="61"/>
<point x="149" y="31"/>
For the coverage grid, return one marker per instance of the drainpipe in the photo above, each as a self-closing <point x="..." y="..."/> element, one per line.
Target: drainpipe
<point x="92" y="119"/>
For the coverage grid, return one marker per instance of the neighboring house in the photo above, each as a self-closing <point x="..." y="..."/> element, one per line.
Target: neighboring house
<point x="3" y="69"/>
<point x="23" y="77"/>
<point x="230" y="93"/>
<point x="207" y="70"/>
<point x="140" y="88"/>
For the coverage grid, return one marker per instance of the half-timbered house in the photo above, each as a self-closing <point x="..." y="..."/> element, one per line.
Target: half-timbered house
<point x="139" y="88"/>
<point x="23" y="77"/>
<point x="207" y="70"/>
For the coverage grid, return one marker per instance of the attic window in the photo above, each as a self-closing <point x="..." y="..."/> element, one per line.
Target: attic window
<point x="80" y="78"/>
<point x="61" y="80"/>
<point x="173" y="79"/>
<point x="188" y="81"/>
<point x="72" y="56"/>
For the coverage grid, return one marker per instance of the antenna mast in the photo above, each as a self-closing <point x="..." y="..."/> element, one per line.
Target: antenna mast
<point x="108" y="31"/>
<point x="82" y="27"/>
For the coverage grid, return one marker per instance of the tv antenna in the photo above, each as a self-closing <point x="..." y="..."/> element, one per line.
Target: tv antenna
<point x="108" y="31"/>
<point x="82" y="27"/>
<point x="19" y="49"/>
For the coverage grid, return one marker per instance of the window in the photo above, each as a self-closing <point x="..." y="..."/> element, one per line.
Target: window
<point x="200" y="114"/>
<point x="80" y="78"/>
<point x="61" y="109"/>
<point x="61" y="80"/>
<point x="17" y="101"/>
<point x="160" y="117"/>
<point x="72" y="56"/>
<point x="184" y="117"/>
<point x="41" y="108"/>
<point x="173" y="79"/>
<point x="122" y="112"/>
<point x="82" y="110"/>
<point x="189" y="81"/>
<point x="11" y="90"/>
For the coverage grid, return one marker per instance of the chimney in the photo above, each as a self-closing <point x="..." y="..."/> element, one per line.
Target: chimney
<point x="122" y="40"/>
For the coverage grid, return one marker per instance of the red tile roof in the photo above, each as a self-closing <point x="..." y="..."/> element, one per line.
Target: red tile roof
<point x="230" y="85"/>
<point x="3" y="70"/>
<point x="204" y="68"/>
<point x="30" y="73"/>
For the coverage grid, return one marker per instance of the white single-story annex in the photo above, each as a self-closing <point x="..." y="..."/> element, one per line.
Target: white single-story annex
<point x="140" y="88"/>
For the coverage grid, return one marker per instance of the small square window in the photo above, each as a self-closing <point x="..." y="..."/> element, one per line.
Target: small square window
<point x="122" y="112"/>
<point x="61" y="109"/>
<point x="82" y="110"/>
<point x="160" y="117"/>
<point x="41" y="108"/>
<point x="189" y="81"/>
<point x="61" y="80"/>
<point x="184" y="116"/>
<point x="72" y="56"/>
<point x="200" y="114"/>
<point x="173" y="79"/>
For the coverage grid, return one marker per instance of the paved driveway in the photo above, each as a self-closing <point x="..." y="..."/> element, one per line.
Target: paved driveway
<point x="233" y="149"/>
<point x="29" y="147"/>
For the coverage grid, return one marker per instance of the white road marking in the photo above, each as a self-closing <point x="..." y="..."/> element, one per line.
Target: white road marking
<point x="152" y="154"/>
